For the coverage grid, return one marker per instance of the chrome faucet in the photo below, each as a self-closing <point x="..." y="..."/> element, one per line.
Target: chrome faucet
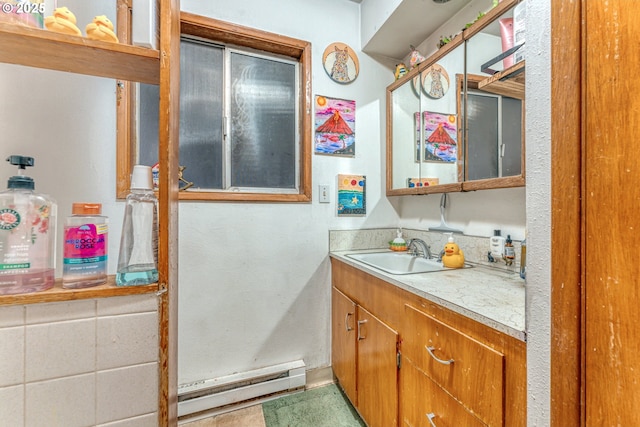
<point x="417" y="246"/>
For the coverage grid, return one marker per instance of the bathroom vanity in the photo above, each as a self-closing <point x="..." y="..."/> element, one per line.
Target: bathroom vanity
<point x="443" y="348"/>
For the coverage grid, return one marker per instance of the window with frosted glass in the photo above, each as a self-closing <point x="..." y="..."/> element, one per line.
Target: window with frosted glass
<point x="238" y="119"/>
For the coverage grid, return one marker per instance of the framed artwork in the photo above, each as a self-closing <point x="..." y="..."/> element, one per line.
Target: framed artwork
<point x="335" y="123"/>
<point x="440" y="137"/>
<point x="435" y="81"/>
<point x="341" y="63"/>
<point x="352" y="195"/>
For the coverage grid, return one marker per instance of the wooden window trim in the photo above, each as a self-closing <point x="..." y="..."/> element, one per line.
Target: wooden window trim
<point x="228" y="33"/>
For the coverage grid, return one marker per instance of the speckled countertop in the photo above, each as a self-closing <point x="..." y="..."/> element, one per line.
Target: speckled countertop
<point x="491" y="296"/>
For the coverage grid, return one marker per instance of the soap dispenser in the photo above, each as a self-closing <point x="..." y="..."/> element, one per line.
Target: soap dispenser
<point x="398" y="244"/>
<point x="453" y="256"/>
<point x="27" y="234"/>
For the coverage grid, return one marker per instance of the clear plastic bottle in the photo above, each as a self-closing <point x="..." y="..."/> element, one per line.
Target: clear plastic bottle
<point x="138" y="257"/>
<point x="27" y="234"/>
<point x="85" y="247"/>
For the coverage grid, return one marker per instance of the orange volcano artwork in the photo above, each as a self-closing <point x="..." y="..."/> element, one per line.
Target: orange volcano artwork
<point x="441" y="137"/>
<point x="335" y="123"/>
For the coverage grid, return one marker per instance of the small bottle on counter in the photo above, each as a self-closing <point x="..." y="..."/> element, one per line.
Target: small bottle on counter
<point x="496" y="245"/>
<point x="85" y="247"/>
<point x="509" y="251"/>
<point x="138" y="257"/>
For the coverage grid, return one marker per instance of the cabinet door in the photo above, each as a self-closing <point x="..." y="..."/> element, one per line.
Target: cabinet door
<point x="425" y="404"/>
<point x="377" y="378"/>
<point x="343" y="343"/>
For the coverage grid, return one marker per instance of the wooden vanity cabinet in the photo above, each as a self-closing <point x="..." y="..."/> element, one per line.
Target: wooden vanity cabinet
<point x="485" y="385"/>
<point x="365" y="361"/>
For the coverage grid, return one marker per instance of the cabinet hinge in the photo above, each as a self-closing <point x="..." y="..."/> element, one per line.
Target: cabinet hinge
<point x="398" y="359"/>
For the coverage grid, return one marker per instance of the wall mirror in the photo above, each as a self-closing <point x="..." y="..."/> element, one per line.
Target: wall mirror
<point x="423" y="126"/>
<point x="456" y="123"/>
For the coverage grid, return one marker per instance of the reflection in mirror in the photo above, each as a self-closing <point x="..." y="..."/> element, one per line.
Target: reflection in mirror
<point x="494" y="133"/>
<point x="493" y="103"/>
<point x="405" y="106"/>
<point x="442" y="152"/>
<point x="424" y="126"/>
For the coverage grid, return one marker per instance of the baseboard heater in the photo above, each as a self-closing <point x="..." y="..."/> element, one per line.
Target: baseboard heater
<point x="232" y="389"/>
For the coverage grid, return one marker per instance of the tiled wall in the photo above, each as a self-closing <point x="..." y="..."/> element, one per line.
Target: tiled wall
<point x="80" y="363"/>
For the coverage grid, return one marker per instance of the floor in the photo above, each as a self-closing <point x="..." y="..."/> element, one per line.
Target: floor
<point x="249" y="417"/>
<point x="318" y="407"/>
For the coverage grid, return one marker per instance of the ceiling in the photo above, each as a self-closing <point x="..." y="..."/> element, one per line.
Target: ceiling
<point x="410" y="24"/>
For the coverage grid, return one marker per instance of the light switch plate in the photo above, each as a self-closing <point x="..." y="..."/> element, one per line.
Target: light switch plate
<point x="324" y="193"/>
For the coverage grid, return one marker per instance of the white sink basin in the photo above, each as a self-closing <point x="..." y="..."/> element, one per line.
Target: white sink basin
<point x="400" y="262"/>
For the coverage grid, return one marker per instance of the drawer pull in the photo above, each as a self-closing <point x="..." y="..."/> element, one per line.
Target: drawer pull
<point x="431" y="416"/>
<point x="346" y="322"/>
<point x="444" y="362"/>
<point x="360" y="322"/>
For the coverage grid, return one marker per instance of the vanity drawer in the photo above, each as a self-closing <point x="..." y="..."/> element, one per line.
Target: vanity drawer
<point x="469" y="370"/>
<point x="424" y="404"/>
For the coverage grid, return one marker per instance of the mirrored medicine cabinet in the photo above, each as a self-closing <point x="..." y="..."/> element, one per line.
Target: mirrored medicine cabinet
<point x="456" y="121"/>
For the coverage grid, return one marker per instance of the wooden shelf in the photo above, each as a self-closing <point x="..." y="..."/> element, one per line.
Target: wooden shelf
<point x="39" y="48"/>
<point x="57" y="293"/>
<point x="509" y="82"/>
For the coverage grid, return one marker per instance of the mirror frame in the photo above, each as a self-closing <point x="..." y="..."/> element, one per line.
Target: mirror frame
<point x="496" y="80"/>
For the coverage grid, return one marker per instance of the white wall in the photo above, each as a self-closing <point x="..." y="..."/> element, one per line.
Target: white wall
<point x="254" y="278"/>
<point x="538" y="89"/>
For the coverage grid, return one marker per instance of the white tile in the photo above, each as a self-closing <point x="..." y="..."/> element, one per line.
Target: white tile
<point x="127" y="340"/>
<point x="60" y="349"/>
<point x="64" y="402"/>
<point x="149" y="420"/>
<point x="11" y="356"/>
<point x="12" y="407"/>
<point x="127" y="392"/>
<point x="11" y="316"/>
<point x="127" y="304"/>
<point x="60" y="311"/>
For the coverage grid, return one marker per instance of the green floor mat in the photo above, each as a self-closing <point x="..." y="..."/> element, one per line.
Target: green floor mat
<point x="319" y="407"/>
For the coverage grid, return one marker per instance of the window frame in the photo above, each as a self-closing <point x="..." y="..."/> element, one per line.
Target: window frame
<point x="229" y="34"/>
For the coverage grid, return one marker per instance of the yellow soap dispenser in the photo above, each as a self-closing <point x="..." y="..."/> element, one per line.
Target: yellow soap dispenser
<point x="453" y="256"/>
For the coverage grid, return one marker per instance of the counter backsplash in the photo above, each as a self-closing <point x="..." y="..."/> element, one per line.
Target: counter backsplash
<point x="475" y="248"/>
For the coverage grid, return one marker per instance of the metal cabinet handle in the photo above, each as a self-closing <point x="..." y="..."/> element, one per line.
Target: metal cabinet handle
<point x="431" y="416"/>
<point x="360" y="322"/>
<point x="346" y="322"/>
<point x="444" y="362"/>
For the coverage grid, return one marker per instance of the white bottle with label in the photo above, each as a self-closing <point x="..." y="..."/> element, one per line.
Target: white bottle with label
<point x="138" y="257"/>
<point x="27" y="234"/>
<point x="496" y="245"/>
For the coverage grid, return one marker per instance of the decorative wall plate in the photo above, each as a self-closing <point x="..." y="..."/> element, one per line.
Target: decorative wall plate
<point x="435" y="81"/>
<point x="341" y="63"/>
